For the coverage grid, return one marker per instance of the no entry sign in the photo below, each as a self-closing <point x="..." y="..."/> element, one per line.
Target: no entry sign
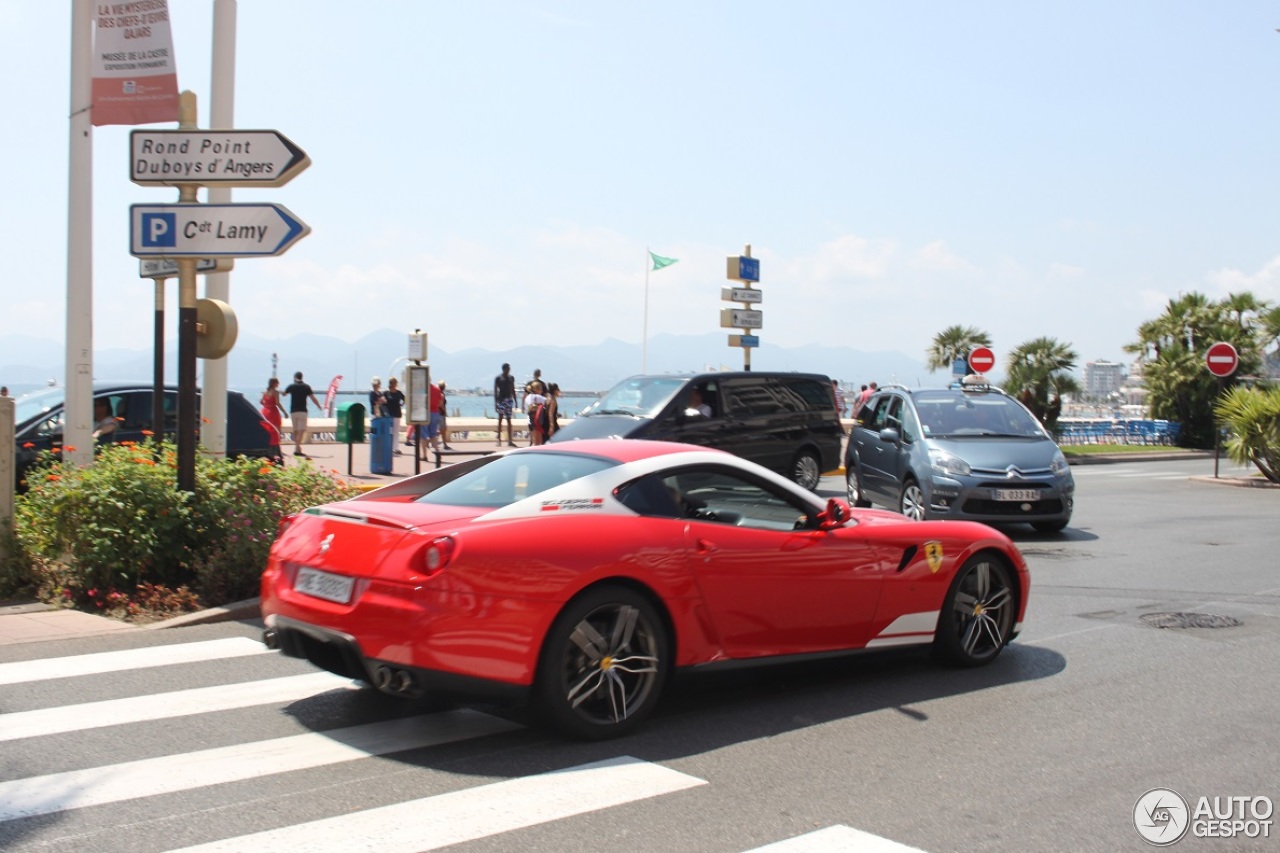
<point x="981" y="359"/>
<point x="1222" y="359"/>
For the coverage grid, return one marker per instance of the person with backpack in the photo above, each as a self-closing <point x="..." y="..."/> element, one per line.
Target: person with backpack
<point x="535" y="404"/>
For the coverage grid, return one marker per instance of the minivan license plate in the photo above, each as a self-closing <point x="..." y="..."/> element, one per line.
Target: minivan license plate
<point x="324" y="585"/>
<point x="1017" y="495"/>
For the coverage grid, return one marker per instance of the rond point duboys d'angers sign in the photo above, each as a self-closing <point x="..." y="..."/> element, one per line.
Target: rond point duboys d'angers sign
<point x="246" y="158"/>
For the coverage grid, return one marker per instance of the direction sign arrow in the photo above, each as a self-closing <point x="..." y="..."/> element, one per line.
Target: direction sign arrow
<point x="982" y="359"/>
<point x="212" y="230"/>
<point x="1222" y="359"/>
<point x="226" y="158"/>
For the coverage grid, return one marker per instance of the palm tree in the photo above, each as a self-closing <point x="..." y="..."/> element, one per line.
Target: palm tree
<point x="1039" y="374"/>
<point x="952" y="343"/>
<point x="1172" y="347"/>
<point x="1269" y="321"/>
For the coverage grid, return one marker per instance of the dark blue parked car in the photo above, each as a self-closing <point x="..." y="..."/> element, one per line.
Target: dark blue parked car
<point x="39" y="416"/>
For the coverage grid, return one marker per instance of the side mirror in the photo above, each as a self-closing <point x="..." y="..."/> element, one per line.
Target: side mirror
<point x="837" y="514"/>
<point x="890" y="435"/>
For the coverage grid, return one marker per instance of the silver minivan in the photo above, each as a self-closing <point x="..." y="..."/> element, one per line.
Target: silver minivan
<point x="971" y="452"/>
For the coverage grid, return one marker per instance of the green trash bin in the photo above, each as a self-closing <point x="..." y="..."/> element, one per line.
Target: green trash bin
<point x="351" y="423"/>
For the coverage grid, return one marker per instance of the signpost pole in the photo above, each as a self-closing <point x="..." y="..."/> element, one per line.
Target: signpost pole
<point x="746" y="351"/>
<point x="1222" y="359"/>
<point x="187" y="331"/>
<point x="746" y="270"/>
<point x="1217" y="430"/>
<point x="157" y="394"/>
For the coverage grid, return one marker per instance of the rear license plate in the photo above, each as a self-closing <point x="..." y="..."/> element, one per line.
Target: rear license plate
<point x="1017" y="495"/>
<point x="324" y="585"/>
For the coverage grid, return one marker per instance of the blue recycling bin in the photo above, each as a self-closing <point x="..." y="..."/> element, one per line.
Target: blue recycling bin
<point x="381" y="445"/>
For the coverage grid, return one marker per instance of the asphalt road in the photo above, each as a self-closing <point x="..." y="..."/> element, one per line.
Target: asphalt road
<point x="1049" y="748"/>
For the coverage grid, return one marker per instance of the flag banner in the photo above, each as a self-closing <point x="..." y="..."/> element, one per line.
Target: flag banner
<point x="331" y="394"/>
<point x="135" y="80"/>
<point x="659" y="262"/>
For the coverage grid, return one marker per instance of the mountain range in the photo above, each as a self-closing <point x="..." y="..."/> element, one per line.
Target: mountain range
<point x="29" y="362"/>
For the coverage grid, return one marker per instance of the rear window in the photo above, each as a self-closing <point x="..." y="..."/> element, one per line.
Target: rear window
<point x="514" y="477"/>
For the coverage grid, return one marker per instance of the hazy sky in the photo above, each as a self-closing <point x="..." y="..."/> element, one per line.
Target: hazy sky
<point x="493" y="172"/>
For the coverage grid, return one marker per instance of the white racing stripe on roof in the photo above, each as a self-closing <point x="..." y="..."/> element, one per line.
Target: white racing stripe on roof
<point x="159" y="706"/>
<point x="472" y="813"/>
<point x="94" y="664"/>
<point x="149" y="777"/>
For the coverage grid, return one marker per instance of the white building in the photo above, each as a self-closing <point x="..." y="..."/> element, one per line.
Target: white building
<point x="1102" y="379"/>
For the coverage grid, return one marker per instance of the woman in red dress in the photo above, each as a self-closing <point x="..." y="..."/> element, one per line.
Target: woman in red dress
<point x="272" y="409"/>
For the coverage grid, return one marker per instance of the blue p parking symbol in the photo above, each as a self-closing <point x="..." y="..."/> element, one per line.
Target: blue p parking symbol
<point x="159" y="230"/>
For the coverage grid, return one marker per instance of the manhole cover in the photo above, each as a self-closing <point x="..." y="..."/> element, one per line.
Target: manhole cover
<point x="1189" y="620"/>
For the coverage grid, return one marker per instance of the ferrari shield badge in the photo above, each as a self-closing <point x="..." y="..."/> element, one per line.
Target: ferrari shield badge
<point x="933" y="555"/>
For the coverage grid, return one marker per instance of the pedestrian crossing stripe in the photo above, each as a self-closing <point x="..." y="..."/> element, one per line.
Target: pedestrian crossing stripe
<point x="424" y="824"/>
<point x="471" y="813"/>
<point x="149" y="777"/>
<point x="160" y="706"/>
<point x="101" y="662"/>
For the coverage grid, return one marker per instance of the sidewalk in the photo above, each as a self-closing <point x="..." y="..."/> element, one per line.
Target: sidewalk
<point x="351" y="462"/>
<point x="28" y="623"/>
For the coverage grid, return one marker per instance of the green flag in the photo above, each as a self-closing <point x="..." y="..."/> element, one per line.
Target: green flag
<point x="659" y="262"/>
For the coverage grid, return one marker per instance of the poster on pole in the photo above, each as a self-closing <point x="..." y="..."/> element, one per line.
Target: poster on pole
<point x="418" y="378"/>
<point x="135" y="79"/>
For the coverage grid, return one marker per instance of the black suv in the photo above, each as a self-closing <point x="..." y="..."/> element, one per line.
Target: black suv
<point x="786" y="422"/>
<point x="38" y="421"/>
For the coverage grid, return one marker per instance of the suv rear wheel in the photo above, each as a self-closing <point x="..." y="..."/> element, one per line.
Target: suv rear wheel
<point x="853" y="486"/>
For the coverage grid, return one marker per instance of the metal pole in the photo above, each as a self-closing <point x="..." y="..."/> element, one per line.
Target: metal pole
<point x="217" y="284"/>
<point x="7" y="470"/>
<point x="77" y="434"/>
<point x="187" y="330"/>
<point x="644" y="336"/>
<point x="157" y="394"/>
<point x="746" y="351"/>
<point x="1216" y="436"/>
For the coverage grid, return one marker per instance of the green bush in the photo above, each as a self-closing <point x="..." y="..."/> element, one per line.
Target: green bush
<point x="120" y="537"/>
<point x="1253" y="417"/>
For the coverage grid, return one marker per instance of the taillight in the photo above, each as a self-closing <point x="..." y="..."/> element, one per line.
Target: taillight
<point x="437" y="554"/>
<point x="284" y="524"/>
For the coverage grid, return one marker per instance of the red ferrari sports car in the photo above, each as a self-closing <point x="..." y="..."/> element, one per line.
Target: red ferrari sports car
<point x="579" y="575"/>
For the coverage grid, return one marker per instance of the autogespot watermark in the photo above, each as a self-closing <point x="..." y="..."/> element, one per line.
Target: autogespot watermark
<point x="1162" y="817"/>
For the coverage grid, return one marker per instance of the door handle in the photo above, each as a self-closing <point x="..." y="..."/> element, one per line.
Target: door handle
<point x="705" y="546"/>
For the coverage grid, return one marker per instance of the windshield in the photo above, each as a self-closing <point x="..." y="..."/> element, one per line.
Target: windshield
<point x="514" y="477"/>
<point x="37" y="403"/>
<point x="639" y="396"/>
<point x="955" y="413"/>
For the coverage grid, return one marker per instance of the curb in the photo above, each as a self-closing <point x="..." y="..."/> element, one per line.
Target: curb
<point x="250" y="608"/>
<point x="1117" y="458"/>
<point x="1257" y="481"/>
